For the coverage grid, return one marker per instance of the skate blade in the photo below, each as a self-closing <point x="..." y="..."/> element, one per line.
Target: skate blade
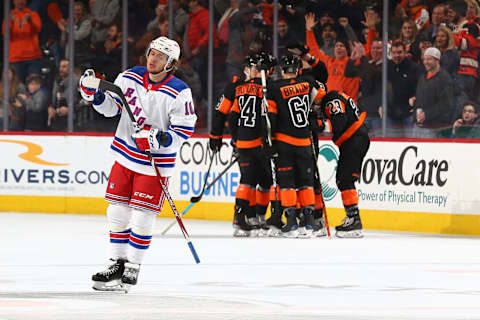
<point x="274" y="232"/>
<point x="255" y="233"/>
<point x="114" y="285"/>
<point x="239" y="233"/>
<point x="306" y="234"/>
<point x="290" y="234"/>
<point x="349" y="234"/>
<point x="320" y="233"/>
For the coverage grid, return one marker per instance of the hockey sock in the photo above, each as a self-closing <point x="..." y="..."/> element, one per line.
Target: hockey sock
<point x="141" y="235"/>
<point x="118" y="217"/>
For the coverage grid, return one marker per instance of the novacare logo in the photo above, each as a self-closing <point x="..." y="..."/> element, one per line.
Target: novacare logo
<point x="408" y="169"/>
<point x="327" y="161"/>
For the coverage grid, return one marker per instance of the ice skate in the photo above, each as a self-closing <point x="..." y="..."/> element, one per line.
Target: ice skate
<point x="305" y="229"/>
<point x="351" y="228"/>
<point x="254" y="224"/>
<point x="130" y="275"/>
<point x="274" y="224"/>
<point x="319" y="229"/>
<point x="240" y="226"/>
<point x="110" y="279"/>
<point x="290" y="230"/>
<point x="263" y="231"/>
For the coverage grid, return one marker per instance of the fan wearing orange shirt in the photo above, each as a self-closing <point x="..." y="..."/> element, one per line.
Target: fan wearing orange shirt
<point x="335" y="65"/>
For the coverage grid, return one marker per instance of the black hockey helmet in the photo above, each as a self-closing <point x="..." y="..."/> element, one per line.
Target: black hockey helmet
<point x="251" y="60"/>
<point x="290" y="63"/>
<point x="266" y="61"/>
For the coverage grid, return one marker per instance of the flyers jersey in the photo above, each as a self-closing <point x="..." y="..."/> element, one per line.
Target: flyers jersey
<point x="246" y="121"/>
<point x="344" y="116"/>
<point x="291" y="100"/>
<point x="222" y="110"/>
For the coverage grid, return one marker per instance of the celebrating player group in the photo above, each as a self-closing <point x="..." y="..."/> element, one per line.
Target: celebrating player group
<point x="275" y="127"/>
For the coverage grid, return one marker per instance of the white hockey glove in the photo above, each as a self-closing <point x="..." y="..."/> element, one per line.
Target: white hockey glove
<point x="152" y="139"/>
<point x="89" y="94"/>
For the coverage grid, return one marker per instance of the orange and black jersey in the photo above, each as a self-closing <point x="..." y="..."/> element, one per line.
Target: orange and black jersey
<point x="344" y="116"/>
<point x="291" y="106"/>
<point x="318" y="71"/>
<point x="246" y="122"/>
<point x="222" y="109"/>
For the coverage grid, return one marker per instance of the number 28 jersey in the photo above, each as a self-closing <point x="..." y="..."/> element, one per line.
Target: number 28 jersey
<point x="291" y="100"/>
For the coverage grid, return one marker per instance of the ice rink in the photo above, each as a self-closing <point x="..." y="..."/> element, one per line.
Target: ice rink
<point x="46" y="262"/>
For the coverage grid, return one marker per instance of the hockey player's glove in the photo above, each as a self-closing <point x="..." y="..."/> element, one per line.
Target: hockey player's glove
<point x="215" y="143"/>
<point x="299" y="49"/>
<point x="271" y="151"/>
<point x="89" y="94"/>
<point x="152" y="139"/>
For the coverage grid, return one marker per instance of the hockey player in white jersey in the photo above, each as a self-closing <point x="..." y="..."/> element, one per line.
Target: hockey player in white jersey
<point x="163" y="107"/>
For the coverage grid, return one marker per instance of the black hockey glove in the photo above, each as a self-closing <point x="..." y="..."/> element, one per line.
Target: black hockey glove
<point x="215" y="143"/>
<point x="299" y="49"/>
<point x="271" y="151"/>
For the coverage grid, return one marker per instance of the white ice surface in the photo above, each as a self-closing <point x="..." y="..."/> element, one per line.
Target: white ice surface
<point x="46" y="262"/>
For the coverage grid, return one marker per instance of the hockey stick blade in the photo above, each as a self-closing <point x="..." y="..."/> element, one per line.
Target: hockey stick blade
<point x="91" y="82"/>
<point x="195" y="199"/>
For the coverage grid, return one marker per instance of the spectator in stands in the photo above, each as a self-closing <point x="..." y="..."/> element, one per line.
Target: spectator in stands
<point x="450" y="60"/>
<point x="25" y="26"/>
<point x="16" y="112"/>
<point x="108" y="56"/>
<point x="223" y="23"/>
<point x="161" y="14"/>
<point x="467" y="41"/>
<point x="370" y="73"/>
<point x="433" y="100"/>
<point x="58" y="110"/>
<point x="468" y="126"/>
<point x="180" y="18"/>
<point x="439" y="16"/>
<point x="81" y="33"/>
<point x="293" y="13"/>
<point x="414" y="10"/>
<point x="336" y="65"/>
<point x="408" y="36"/>
<point x="197" y="39"/>
<point x="329" y="36"/>
<point x="52" y="21"/>
<point x="285" y="37"/>
<point x="403" y="76"/>
<point x="35" y="104"/>
<point x="102" y="15"/>
<point x="325" y="17"/>
<point x="473" y="10"/>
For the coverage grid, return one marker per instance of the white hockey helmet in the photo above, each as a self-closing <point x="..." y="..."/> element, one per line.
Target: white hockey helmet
<point x="166" y="46"/>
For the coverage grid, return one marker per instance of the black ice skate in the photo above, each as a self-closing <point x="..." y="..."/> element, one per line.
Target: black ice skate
<point x="274" y="224"/>
<point x="240" y="226"/>
<point x="130" y="275"/>
<point x="305" y="229"/>
<point x="351" y="228"/>
<point x="290" y="230"/>
<point x="110" y="279"/>
<point x="319" y="229"/>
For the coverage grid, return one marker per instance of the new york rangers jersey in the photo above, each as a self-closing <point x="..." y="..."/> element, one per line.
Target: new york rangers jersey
<point x="167" y="106"/>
